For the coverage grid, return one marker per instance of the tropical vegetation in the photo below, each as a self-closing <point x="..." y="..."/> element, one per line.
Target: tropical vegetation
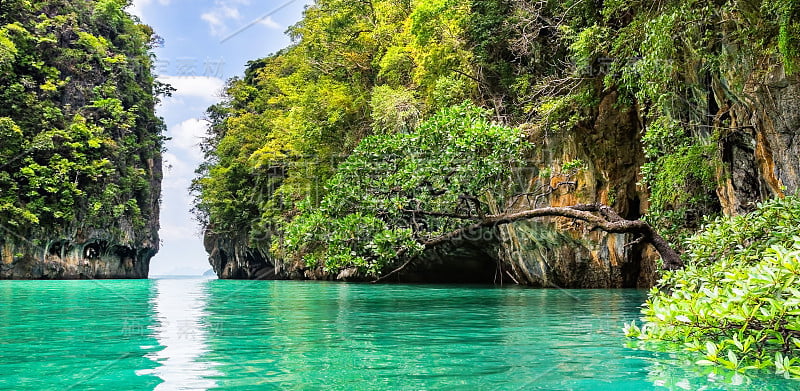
<point x="358" y="69"/>
<point x="80" y="143"/>
<point x="397" y="191"/>
<point x="736" y="302"/>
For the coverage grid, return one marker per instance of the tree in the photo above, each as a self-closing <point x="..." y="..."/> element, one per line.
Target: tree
<point x="399" y="195"/>
<point x="736" y="304"/>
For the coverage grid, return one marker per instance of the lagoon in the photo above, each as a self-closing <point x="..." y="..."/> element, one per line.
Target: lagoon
<point x="199" y="334"/>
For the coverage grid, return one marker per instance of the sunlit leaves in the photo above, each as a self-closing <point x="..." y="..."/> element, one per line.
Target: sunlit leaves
<point x="373" y="213"/>
<point x="787" y="13"/>
<point x="80" y="138"/>
<point x="355" y="68"/>
<point x="736" y="302"/>
<point x="394" y="110"/>
<point x="7" y="49"/>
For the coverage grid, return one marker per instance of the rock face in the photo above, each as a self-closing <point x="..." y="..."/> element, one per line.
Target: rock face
<point x="760" y="153"/>
<point x="80" y="141"/>
<point x="117" y="252"/>
<point x="557" y="253"/>
<point x="232" y="259"/>
<point x="552" y="253"/>
<point x="759" y="159"/>
<point x="90" y="258"/>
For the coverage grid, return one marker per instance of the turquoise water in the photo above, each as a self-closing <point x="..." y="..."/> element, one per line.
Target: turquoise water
<point x="187" y="334"/>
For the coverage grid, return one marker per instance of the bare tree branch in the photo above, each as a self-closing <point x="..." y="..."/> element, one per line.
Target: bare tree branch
<point x="596" y="216"/>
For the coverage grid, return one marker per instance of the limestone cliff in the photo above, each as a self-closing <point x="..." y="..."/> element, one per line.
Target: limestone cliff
<point x="232" y="259"/>
<point x="114" y="251"/>
<point x="92" y="255"/>
<point x="558" y="252"/>
<point x="80" y="143"/>
<point x="760" y="152"/>
<point x="758" y="160"/>
<point x="758" y="156"/>
<point x="676" y="112"/>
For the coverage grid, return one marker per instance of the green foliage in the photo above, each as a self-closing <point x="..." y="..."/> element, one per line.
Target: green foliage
<point x="682" y="63"/>
<point x="573" y="166"/>
<point x="358" y="69"/>
<point x="355" y="68"/>
<point x="681" y="173"/>
<point x="80" y="140"/>
<point x="396" y="66"/>
<point x="386" y="198"/>
<point x="681" y="183"/>
<point x="7" y="49"/>
<point x="450" y="90"/>
<point x="736" y="303"/>
<point x="96" y="45"/>
<point x="589" y="44"/>
<point x="394" y="110"/>
<point x="687" y="63"/>
<point x="787" y="12"/>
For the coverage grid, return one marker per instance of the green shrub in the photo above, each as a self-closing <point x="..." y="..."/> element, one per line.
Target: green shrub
<point x="394" y="109"/>
<point x="736" y="302"/>
<point x="77" y="124"/>
<point x="371" y="216"/>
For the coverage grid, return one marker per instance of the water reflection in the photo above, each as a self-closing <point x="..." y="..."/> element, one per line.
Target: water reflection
<point x="183" y="330"/>
<point x="81" y="335"/>
<point x="233" y="335"/>
<point x="677" y="371"/>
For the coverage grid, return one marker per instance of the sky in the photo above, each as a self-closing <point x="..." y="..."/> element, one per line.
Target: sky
<point x="206" y="42"/>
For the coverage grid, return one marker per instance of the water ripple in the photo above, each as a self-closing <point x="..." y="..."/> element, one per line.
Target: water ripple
<point x="231" y="335"/>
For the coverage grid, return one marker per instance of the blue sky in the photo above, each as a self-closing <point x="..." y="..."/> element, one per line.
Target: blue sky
<point x="206" y="42"/>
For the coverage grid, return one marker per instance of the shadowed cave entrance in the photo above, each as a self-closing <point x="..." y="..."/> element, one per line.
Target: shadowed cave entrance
<point x="467" y="264"/>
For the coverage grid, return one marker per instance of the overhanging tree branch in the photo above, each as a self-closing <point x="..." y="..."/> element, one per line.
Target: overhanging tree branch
<point x="595" y="215"/>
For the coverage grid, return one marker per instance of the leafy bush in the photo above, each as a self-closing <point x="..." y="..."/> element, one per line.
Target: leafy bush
<point x="736" y="302"/>
<point x="682" y="185"/>
<point x="394" y="109"/>
<point x="391" y="194"/>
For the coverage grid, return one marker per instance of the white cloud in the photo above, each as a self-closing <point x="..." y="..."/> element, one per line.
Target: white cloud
<point x="270" y="23"/>
<point x="223" y="12"/>
<point x="215" y="23"/>
<point x="137" y="7"/>
<point x="187" y="136"/>
<point x="175" y="168"/>
<point x="208" y="88"/>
